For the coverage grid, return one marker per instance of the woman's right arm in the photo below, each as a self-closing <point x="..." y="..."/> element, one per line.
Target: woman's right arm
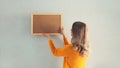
<point x="66" y="42"/>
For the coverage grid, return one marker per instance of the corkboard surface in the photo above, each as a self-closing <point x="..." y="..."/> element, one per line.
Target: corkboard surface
<point x="46" y="23"/>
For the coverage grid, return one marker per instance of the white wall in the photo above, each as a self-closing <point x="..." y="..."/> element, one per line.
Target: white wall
<point x="19" y="49"/>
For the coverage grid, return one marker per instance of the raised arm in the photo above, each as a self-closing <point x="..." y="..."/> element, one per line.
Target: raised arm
<point x="56" y="51"/>
<point x="66" y="42"/>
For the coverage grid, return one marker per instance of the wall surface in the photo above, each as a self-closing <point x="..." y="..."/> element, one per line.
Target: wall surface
<point x="20" y="49"/>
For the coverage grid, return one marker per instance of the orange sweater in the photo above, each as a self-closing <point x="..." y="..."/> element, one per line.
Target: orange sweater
<point x="72" y="58"/>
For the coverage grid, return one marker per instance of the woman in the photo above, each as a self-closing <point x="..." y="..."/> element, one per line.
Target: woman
<point x="76" y="52"/>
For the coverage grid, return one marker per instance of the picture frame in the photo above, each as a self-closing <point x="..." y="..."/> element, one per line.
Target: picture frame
<point x="45" y="23"/>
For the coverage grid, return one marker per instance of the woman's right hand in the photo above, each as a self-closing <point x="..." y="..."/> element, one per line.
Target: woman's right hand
<point x="62" y="30"/>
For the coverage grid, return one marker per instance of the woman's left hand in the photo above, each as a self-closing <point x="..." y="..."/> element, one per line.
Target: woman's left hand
<point x="46" y="35"/>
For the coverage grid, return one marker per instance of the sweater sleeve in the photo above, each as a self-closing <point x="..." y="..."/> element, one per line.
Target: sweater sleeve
<point x="57" y="51"/>
<point x="66" y="42"/>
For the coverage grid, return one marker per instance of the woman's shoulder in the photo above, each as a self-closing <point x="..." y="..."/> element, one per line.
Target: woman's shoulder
<point x="68" y="45"/>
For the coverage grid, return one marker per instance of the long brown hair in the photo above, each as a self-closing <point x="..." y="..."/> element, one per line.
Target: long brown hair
<point x="79" y="37"/>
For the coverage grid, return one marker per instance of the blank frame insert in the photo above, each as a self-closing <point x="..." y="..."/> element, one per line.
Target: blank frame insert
<point x="46" y="23"/>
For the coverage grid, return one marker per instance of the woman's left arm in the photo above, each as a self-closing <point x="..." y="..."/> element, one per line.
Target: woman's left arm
<point x="56" y="51"/>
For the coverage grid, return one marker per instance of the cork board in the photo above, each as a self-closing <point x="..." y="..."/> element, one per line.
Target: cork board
<point x="46" y="23"/>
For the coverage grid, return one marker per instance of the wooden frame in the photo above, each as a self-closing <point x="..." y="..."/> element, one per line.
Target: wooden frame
<point x="45" y="23"/>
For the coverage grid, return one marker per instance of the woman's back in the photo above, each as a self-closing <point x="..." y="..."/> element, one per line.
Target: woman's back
<point x="72" y="58"/>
